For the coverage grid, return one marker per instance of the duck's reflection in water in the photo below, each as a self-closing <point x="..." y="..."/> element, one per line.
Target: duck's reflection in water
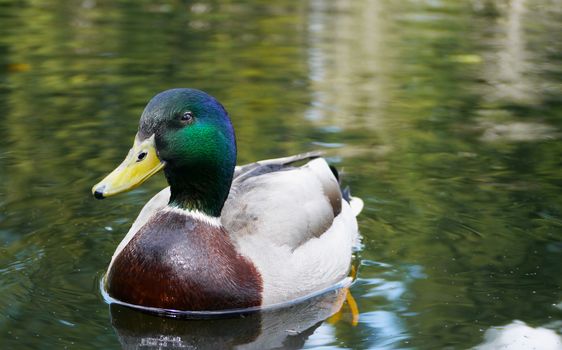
<point x="286" y="328"/>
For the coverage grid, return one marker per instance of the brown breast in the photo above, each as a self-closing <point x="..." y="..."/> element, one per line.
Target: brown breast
<point x="178" y="262"/>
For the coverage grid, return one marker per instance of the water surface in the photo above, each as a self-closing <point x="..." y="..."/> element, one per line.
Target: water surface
<point x="446" y="117"/>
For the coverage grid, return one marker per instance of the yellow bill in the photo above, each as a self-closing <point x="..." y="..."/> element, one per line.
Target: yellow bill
<point x="140" y="164"/>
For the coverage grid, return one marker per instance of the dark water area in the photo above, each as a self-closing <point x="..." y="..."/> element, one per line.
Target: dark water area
<point x="445" y="116"/>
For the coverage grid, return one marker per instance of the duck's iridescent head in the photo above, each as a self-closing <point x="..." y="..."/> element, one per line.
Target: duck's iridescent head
<point x="187" y="133"/>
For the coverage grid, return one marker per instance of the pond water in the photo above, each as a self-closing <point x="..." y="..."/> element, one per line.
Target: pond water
<point x="446" y="117"/>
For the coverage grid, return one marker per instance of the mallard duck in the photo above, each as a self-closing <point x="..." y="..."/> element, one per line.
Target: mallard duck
<point x="223" y="236"/>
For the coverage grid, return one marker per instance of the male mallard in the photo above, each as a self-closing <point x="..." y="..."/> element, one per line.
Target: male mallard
<point x="222" y="236"/>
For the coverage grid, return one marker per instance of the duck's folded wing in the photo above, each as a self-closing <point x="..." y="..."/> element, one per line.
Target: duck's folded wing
<point x="282" y="204"/>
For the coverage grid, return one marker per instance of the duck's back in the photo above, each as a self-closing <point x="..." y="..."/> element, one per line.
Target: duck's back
<point x="283" y="205"/>
<point x="293" y="224"/>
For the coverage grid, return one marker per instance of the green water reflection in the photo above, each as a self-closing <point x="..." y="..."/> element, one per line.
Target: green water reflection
<point x="445" y="115"/>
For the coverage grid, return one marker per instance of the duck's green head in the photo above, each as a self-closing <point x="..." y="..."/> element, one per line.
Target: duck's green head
<point x="187" y="133"/>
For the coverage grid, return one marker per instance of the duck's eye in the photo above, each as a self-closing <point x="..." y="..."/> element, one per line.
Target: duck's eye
<point x="141" y="156"/>
<point x="187" y="117"/>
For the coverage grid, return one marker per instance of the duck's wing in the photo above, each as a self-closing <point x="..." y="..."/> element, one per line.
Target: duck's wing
<point x="284" y="204"/>
<point x="294" y="224"/>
